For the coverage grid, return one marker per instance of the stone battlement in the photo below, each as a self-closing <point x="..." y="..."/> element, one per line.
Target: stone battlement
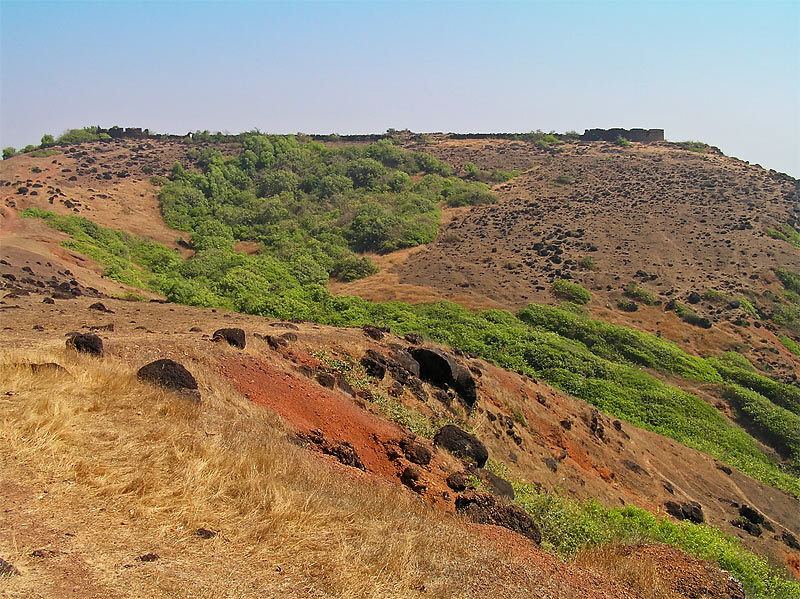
<point x="644" y="136"/>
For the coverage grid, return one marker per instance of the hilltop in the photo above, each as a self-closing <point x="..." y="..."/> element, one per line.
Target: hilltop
<point x="679" y="265"/>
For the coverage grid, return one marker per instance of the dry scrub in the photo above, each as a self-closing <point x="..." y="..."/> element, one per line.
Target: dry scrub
<point x="106" y="444"/>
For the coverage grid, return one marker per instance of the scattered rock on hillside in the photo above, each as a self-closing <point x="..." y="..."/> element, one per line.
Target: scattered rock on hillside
<point x="7" y="569"/>
<point x="634" y="467"/>
<point x="204" y="533"/>
<point x="234" y="337"/>
<point x="372" y="332"/>
<point x="457" y="481"/>
<point x="749" y="527"/>
<point x="374" y="364"/>
<point x="485" y="508"/>
<point x="416" y="452"/>
<point x="751" y="514"/>
<point x="326" y="379"/>
<point x="413" y="338"/>
<point x="341" y="450"/>
<point x="498" y="486"/>
<point x="790" y="540"/>
<point x="148" y="557"/>
<point x="462" y="444"/>
<point x="442" y="369"/>
<point x="402" y="365"/>
<point x="170" y="375"/>
<point x="688" y="510"/>
<point x="100" y="307"/>
<point x="87" y="343"/>
<point x="411" y="478"/>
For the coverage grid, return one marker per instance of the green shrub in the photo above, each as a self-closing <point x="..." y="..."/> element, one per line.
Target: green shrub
<point x="9" y="152"/>
<point x="621" y="141"/>
<point x="588" y="263"/>
<point x="688" y="315"/>
<point x="781" y="426"/>
<point x="789" y="279"/>
<point x="571" y="292"/>
<point x="635" y="292"/>
<point x="786" y="233"/>
<point x="789" y="344"/>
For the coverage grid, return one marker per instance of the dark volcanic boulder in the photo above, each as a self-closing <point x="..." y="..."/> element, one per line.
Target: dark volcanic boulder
<point x="442" y="369"/>
<point x="688" y="510"/>
<point x="461" y="444"/>
<point x="416" y="452"/>
<point x="374" y="364"/>
<point x="372" y="332"/>
<point x="750" y="528"/>
<point x="170" y="375"/>
<point x="457" y="481"/>
<point x="234" y="337"/>
<point x="751" y="514"/>
<point x="497" y="485"/>
<point x="87" y="343"/>
<point x="485" y="508"/>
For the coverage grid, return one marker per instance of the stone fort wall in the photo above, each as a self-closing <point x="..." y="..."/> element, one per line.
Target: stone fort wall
<point x="645" y="136"/>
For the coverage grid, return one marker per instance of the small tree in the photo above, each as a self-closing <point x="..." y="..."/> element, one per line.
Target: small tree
<point x="47" y="140"/>
<point x="8" y="152"/>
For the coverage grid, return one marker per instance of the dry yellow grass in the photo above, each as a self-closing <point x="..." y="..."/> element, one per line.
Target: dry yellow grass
<point x="640" y="572"/>
<point x="223" y="465"/>
<point x="102" y="468"/>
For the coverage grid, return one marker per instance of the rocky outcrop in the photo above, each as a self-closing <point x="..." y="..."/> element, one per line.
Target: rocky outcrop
<point x="441" y="369"/>
<point x="462" y="445"/>
<point x="171" y="375"/>
<point x="87" y="343"/>
<point x="485" y="508"/>
<point x="234" y="337"/>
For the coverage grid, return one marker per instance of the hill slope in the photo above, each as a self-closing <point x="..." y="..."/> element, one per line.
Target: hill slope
<point x="484" y="256"/>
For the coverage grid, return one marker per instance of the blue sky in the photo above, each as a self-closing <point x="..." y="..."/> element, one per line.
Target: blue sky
<point x="724" y="72"/>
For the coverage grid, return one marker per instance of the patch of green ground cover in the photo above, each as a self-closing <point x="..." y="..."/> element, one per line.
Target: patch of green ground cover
<point x="790" y="344"/>
<point x="779" y="424"/>
<point x="568" y="525"/>
<point x="781" y="394"/>
<point x="620" y="344"/>
<point x="786" y="233"/>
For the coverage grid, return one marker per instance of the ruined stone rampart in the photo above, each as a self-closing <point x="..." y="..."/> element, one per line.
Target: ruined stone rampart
<point x="645" y="136"/>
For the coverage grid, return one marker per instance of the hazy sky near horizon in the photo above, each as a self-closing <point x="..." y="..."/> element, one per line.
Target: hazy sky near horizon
<point x="723" y="72"/>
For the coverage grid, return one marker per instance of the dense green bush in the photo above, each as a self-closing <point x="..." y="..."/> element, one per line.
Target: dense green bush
<point x="789" y="344"/>
<point x="620" y="344"/>
<point x="688" y="315"/>
<point x="572" y="292"/>
<point x="781" y="394"/>
<point x="75" y="136"/>
<point x="787" y="233"/>
<point x="9" y="152"/>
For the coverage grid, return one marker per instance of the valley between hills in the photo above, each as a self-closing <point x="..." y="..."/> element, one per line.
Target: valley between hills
<point x="401" y="365"/>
